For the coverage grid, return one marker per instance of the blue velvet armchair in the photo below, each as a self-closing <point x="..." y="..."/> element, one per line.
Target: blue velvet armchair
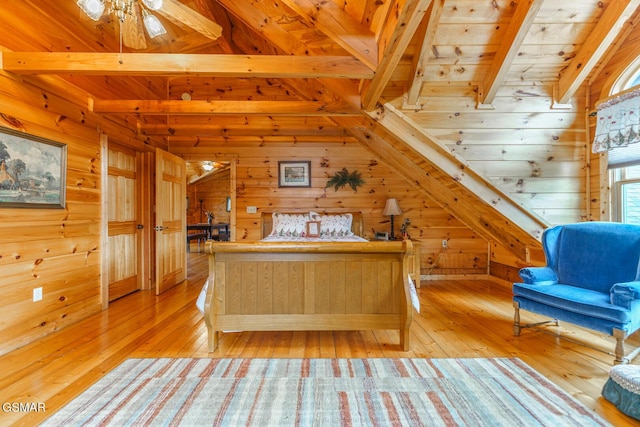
<point x="592" y="279"/>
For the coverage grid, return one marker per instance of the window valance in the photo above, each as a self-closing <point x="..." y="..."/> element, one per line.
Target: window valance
<point x="618" y="122"/>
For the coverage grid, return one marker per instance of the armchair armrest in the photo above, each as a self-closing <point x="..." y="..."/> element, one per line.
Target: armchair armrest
<point x="623" y="293"/>
<point x="538" y="276"/>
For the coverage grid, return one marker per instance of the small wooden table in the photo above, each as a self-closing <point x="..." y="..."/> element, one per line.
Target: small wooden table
<point x="219" y="231"/>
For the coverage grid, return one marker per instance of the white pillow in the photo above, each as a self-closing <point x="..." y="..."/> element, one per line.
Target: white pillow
<point x="337" y="225"/>
<point x="289" y="225"/>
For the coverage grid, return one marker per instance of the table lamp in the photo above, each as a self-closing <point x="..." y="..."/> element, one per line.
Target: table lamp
<point x="391" y="209"/>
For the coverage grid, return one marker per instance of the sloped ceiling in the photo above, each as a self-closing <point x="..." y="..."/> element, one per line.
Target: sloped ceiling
<point x="325" y="68"/>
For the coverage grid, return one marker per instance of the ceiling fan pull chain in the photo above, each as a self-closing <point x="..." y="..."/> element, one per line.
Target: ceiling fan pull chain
<point x="120" y="60"/>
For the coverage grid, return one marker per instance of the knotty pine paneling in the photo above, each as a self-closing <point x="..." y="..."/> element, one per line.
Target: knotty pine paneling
<point x="213" y="191"/>
<point x="257" y="185"/>
<point x="55" y="249"/>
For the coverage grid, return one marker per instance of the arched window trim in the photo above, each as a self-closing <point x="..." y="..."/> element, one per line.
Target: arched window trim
<point x="628" y="78"/>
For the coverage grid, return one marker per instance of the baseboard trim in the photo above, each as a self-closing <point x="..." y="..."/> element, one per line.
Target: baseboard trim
<point x="427" y="277"/>
<point x="497" y="280"/>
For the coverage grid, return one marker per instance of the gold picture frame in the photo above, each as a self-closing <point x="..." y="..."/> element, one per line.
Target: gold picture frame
<point x="32" y="171"/>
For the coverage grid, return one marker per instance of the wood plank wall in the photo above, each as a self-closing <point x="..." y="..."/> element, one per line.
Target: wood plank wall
<point x="55" y="249"/>
<point x="257" y="185"/>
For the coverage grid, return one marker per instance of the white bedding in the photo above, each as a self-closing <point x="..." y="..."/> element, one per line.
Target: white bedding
<point x="295" y="226"/>
<point x="352" y="238"/>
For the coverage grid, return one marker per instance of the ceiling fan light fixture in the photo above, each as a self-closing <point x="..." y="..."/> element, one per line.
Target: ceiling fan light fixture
<point x="153" y="4"/>
<point x="152" y="24"/>
<point x="92" y="8"/>
<point x="126" y="11"/>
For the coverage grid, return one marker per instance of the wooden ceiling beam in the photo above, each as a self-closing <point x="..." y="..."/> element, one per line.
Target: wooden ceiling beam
<point x="427" y="34"/>
<point x="400" y="25"/>
<point x="595" y="46"/>
<point x="518" y="29"/>
<point x="192" y="144"/>
<point x="151" y="64"/>
<point x="177" y="12"/>
<point x="263" y="108"/>
<point x="241" y="131"/>
<point x="281" y="41"/>
<point x="333" y="21"/>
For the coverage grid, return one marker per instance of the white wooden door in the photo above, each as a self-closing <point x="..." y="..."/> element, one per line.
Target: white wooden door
<point x="123" y="219"/>
<point x="171" y="221"/>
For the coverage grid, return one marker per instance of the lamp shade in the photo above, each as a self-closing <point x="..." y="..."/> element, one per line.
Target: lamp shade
<point x="392" y="208"/>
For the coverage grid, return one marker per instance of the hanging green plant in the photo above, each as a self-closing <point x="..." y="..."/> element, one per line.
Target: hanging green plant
<point x="343" y="178"/>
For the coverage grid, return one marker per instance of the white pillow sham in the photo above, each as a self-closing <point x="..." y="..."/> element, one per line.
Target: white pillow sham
<point x="289" y="225"/>
<point x="295" y="225"/>
<point x="335" y="225"/>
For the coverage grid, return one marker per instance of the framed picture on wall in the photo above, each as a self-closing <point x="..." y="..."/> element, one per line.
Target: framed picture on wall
<point x="32" y="171"/>
<point x="294" y="174"/>
<point x="313" y="228"/>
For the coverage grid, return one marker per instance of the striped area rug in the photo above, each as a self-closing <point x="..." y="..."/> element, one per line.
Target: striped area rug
<point x="325" y="392"/>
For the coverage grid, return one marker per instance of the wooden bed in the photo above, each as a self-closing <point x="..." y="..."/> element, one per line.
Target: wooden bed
<point x="278" y="286"/>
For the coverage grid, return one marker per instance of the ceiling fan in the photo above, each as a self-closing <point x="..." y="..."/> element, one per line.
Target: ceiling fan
<point x="136" y="16"/>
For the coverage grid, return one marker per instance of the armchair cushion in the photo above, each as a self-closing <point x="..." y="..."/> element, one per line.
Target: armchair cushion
<point x="623" y="294"/>
<point x="538" y="275"/>
<point x="575" y="300"/>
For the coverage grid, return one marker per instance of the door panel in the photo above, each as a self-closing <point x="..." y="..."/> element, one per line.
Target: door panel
<point x="122" y="221"/>
<point x="171" y="225"/>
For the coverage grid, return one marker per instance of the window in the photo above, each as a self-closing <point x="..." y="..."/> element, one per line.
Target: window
<point x="624" y="164"/>
<point x="626" y="194"/>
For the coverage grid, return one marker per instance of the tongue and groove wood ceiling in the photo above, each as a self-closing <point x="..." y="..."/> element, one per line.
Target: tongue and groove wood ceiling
<point x="325" y="69"/>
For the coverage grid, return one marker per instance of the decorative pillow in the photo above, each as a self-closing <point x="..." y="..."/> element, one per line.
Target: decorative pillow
<point x="289" y="225"/>
<point x="337" y="225"/>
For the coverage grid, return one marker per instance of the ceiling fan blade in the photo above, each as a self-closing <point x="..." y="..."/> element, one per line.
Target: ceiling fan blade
<point x="133" y="30"/>
<point x="178" y="13"/>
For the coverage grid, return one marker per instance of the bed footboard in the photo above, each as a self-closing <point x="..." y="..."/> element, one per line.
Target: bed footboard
<point x="308" y="286"/>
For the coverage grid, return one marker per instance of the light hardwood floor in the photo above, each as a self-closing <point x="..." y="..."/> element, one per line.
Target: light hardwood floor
<point x="459" y="318"/>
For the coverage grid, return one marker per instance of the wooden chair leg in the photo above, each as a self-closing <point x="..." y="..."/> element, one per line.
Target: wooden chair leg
<point x="619" y="352"/>
<point x="516" y="319"/>
<point x="517" y="326"/>
<point x="621" y="358"/>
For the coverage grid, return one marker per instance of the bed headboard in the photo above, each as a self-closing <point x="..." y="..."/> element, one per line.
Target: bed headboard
<point x="357" y="225"/>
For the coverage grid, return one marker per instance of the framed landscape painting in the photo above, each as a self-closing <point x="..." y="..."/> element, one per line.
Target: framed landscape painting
<point x="32" y="171"/>
<point x="294" y="174"/>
